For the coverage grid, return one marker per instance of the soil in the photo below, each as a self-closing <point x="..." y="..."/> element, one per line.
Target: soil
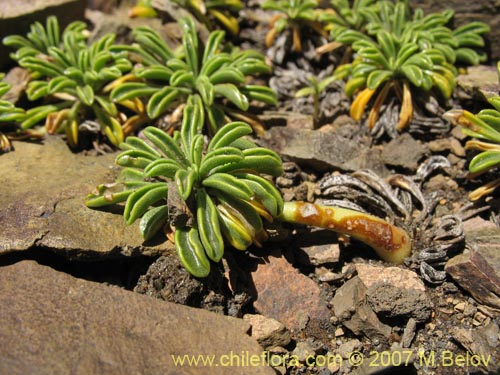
<point x="444" y="189"/>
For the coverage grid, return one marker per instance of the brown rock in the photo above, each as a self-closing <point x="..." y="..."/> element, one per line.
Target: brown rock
<point x="440" y="145"/>
<point x="457" y="148"/>
<point x="53" y="323"/>
<point x="473" y="273"/>
<point x="268" y="332"/>
<point x="43" y="194"/>
<point x="283" y="293"/>
<point x="17" y="16"/>
<point x="352" y="309"/>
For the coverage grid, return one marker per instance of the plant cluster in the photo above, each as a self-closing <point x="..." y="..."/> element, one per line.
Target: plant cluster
<point x="293" y="16"/>
<point x="74" y="81"/>
<point x="403" y="53"/>
<point x="484" y="127"/>
<point x="220" y="183"/>
<point x="208" y="74"/>
<point x="225" y="194"/>
<point x="9" y="114"/>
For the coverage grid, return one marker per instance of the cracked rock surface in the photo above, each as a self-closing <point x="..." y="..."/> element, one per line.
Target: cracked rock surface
<point x="43" y="204"/>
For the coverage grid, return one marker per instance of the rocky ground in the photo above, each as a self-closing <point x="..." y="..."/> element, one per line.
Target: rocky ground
<point x="81" y="292"/>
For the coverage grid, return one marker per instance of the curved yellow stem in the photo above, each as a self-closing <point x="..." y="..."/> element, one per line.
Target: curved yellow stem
<point x="391" y="243"/>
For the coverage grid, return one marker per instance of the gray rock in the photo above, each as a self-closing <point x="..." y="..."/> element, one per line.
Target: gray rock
<point x="393" y="302"/>
<point x="322" y="150"/>
<point x="352" y="309"/>
<point x="348" y="347"/>
<point x="268" y="332"/>
<point x="53" y="323"/>
<point x="303" y="350"/>
<point x="320" y="247"/>
<point x="408" y="333"/>
<point x="43" y="204"/>
<point x="17" y="16"/>
<point x="480" y="81"/>
<point x="404" y="152"/>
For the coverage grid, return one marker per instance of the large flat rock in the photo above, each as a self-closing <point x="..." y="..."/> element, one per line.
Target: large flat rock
<point x="43" y="204"/>
<point x="53" y="323"/>
<point x="322" y="151"/>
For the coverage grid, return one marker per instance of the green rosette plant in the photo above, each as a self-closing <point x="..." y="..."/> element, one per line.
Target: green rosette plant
<point x="10" y="114"/>
<point x="387" y="64"/>
<point x="484" y="128"/>
<point x="226" y="196"/>
<point x="293" y="16"/>
<point x="403" y="53"/>
<point x="211" y="76"/>
<point x="221" y="185"/>
<point x="40" y="39"/>
<point x="346" y="22"/>
<point x="74" y="80"/>
<point x="366" y="18"/>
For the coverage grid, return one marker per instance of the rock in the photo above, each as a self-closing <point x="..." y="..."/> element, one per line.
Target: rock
<point x="447" y="144"/>
<point x="394" y="292"/>
<point x="473" y="272"/>
<point x="404" y="152"/>
<point x="480" y="81"/>
<point x="268" y="332"/>
<point x="303" y="350"/>
<point x="320" y="247"/>
<point x="352" y="309"/>
<point x="322" y="150"/>
<point x="399" y="277"/>
<point x="408" y="333"/>
<point x="482" y="342"/>
<point x="440" y="145"/>
<point x="484" y="236"/>
<point x="52" y="322"/>
<point x="16" y="17"/>
<point x="457" y="148"/>
<point x="283" y="293"/>
<point x="348" y="347"/>
<point x="43" y="193"/>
